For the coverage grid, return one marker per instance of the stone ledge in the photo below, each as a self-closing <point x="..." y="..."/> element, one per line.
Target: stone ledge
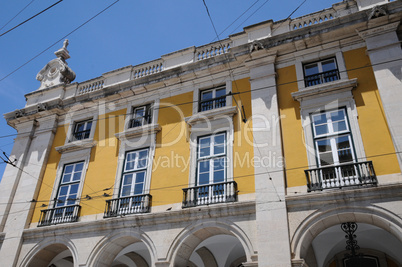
<point x="211" y="115"/>
<point x="138" y="131"/>
<point x="76" y="145"/>
<point x="325" y="89"/>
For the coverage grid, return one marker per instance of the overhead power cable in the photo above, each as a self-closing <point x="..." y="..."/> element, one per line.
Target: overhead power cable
<point x="61" y="39"/>
<point x="25" y="21"/>
<point x="196" y="101"/>
<point x="16" y="15"/>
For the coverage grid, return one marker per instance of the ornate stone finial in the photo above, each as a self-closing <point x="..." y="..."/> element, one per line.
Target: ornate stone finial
<point x="255" y="46"/>
<point x="377" y="12"/>
<point x="56" y="71"/>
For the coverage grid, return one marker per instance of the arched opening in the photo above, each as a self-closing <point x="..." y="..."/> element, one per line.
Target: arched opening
<point x="54" y="255"/>
<point x="210" y="245"/>
<point x="375" y="247"/>
<point x="219" y="250"/>
<point x="134" y="255"/>
<point x="122" y="251"/>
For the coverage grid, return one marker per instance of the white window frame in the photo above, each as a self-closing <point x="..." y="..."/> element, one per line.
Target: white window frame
<point x="332" y="135"/>
<point x="85" y="123"/>
<point x="214" y="91"/>
<point x="134" y="171"/>
<point x="211" y="157"/>
<point x="205" y="86"/>
<point x="68" y="184"/>
<point x="146" y="119"/>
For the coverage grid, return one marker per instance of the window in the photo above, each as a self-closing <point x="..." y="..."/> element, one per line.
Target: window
<point x="134" y="173"/>
<point x="211" y="165"/>
<point x="69" y="184"/>
<point x="321" y="72"/>
<point x="82" y="130"/>
<point x="332" y="138"/>
<point x="212" y="98"/>
<point x="141" y="116"/>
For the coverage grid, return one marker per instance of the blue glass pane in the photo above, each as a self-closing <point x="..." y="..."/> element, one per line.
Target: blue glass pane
<point x="66" y="178"/>
<point x="60" y="201"/>
<point x="219" y="139"/>
<point x="129" y="165"/>
<point x="311" y="69"/>
<point x="328" y="65"/>
<point x="339" y="126"/>
<point x="125" y="191"/>
<point x="342" y="142"/>
<point x="203" y="166"/>
<point x="142" y="163"/>
<point x="78" y="167"/>
<point x="319" y="119"/>
<point x="219" y="164"/>
<point x="203" y="179"/>
<point x="77" y="176"/>
<point x="220" y="92"/>
<point x="63" y="191"/>
<point x="205" y="142"/>
<point x="143" y="154"/>
<point x="138" y="188"/>
<point x="321" y="129"/>
<point x="73" y="189"/>
<point x="219" y="149"/>
<point x="71" y="199"/>
<point x="219" y="176"/>
<point x="206" y="95"/>
<point x="204" y="152"/>
<point x="140" y="177"/>
<point x="337" y="115"/>
<point x="127" y="179"/>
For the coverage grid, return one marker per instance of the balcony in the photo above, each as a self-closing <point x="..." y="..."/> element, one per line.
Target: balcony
<point x="82" y="134"/>
<point x="212" y="103"/>
<point x="65" y="214"/>
<point x="343" y="175"/>
<point x="320" y="78"/>
<point x="209" y="194"/>
<point x="127" y="205"/>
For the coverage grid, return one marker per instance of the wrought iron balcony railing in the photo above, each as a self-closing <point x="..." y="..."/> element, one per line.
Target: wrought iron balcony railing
<point x="323" y="77"/>
<point x="127" y="205"/>
<point x="209" y="194"/>
<point x="212" y="103"/>
<point x="343" y="175"/>
<point x="65" y="214"/>
<point x="82" y="134"/>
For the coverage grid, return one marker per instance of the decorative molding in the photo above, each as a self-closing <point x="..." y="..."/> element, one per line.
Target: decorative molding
<point x="325" y="89"/>
<point x="376" y="12"/>
<point x="76" y="145"/>
<point x="391" y="27"/>
<point x="211" y="115"/>
<point x="138" y="131"/>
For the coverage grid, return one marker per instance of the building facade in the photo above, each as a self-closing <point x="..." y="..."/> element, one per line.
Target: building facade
<point x="263" y="149"/>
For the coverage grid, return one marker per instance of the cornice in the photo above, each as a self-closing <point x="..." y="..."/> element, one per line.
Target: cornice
<point x="212" y="114"/>
<point x="138" y="131"/>
<point x="76" y="145"/>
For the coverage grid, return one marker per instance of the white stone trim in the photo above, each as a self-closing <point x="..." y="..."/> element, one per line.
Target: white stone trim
<point x="212" y="114"/>
<point x="205" y="86"/>
<point x="136" y="132"/>
<point x="324" y="97"/>
<point x="73" y="117"/>
<point x="76" y="145"/>
<point x="210" y="127"/>
<point x="72" y="156"/>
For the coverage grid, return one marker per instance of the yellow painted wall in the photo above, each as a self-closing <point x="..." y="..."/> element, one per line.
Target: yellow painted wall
<point x="243" y="149"/>
<point x="170" y="172"/>
<point x="49" y="175"/>
<point x="374" y="129"/>
<point x="101" y="172"/>
<point x="292" y="132"/>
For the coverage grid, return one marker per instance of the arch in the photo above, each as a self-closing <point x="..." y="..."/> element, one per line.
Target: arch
<point x="109" y="247"/>
<point x="43" y="252"/>
<point x="313" y="225"/>
<point x="190" y="237"/>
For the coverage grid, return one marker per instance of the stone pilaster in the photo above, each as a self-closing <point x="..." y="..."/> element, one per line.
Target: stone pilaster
<point x="31" y="150"/>
<point x="272" y="224"/>
<point x="384" y="50"/>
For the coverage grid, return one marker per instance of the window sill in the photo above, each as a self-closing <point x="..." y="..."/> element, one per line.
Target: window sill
<point x="138" y="131"/>
<point x="76" y="145"/>
<point x="211" y="115"/>
<point x="325" y="89"/>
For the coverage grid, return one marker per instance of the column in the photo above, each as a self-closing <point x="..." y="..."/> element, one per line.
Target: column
<point x="384" y="50"/>
<point x="21" y="183"/>
<point x="271" y="215"/>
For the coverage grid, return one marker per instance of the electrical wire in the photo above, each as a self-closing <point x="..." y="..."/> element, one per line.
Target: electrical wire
<point x="34" y="16"/>
<point x="16" y="14"/>
<point x="61" y="39"/>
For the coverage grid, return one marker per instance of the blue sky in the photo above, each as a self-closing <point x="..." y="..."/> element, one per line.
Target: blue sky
<point x="129" y="33"/>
